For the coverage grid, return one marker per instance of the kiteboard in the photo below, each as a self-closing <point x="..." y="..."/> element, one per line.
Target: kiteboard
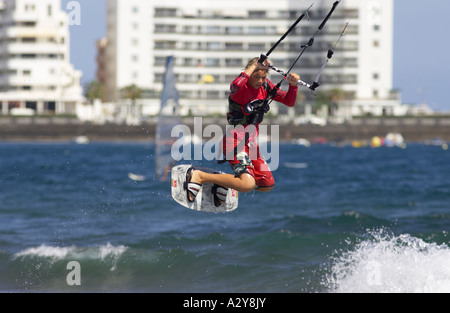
<point x="204" y="202"/>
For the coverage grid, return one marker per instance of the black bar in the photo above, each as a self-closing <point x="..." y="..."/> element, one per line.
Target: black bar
<point x="329" y="15"/>
<point x="285" y="35"/>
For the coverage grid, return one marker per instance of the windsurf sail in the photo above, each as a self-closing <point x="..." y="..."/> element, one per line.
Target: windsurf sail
<point x="168" y="118"/>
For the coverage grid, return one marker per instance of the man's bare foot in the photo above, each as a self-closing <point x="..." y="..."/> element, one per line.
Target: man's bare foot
<point x="195" y="177"/>
<point x="193" y="184"/>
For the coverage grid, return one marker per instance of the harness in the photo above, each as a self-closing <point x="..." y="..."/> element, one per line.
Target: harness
<point x="236" y="115"/>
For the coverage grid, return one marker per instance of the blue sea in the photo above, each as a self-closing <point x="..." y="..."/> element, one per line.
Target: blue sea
<point x="340" y="219"/>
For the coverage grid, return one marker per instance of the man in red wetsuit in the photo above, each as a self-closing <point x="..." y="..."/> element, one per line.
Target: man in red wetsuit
<point x="248" y="104"/>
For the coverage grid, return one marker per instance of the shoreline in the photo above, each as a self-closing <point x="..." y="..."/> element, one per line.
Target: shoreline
<point x="54" y="129"/>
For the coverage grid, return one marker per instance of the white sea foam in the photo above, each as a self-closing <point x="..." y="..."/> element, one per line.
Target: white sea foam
<point x="392" y="264"/>
<point x="106" y="253"/>
<point x="55" y="253"/>
<point x="111" y="251"/>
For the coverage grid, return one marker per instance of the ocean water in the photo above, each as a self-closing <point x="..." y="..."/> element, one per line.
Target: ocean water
<point x="339" y="220"/>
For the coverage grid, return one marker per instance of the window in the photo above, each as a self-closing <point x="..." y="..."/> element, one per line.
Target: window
<point x="212" y="29"/>
<point x="212" y="62"/>
<point x="212" y="94"/>
<point x="31" y="105"/>
<point x="51" y="106"/>
<point x="189" y="62"/>
<point x="160" y="61"/>
<point x="26" y="24"/>
<point x="234" y="46"/>
<point x="164" y="12"/>
<point x="28" y="39"/>
<point x="49" y="10"/>
<point x="165" y="45"/>
<point x="234" y="30"/>
<point x="214" y="46"/>
<point x="254" y="30"/>
<point x="28" y="56"/>
<point x="257" y="14"/>
<point x="164" y="28"/>
<point x="233" y="62"/>
<point x="256" y="47"/>
<point x="189" y="29"/>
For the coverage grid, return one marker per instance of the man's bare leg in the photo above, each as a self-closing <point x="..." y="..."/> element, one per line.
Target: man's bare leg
<point x="265" y="189"/>
<point x="244" y="183"/>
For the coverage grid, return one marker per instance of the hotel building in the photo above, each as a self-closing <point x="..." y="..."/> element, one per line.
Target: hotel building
<point x="212" y="41"/>
<point x="35" y="71"/>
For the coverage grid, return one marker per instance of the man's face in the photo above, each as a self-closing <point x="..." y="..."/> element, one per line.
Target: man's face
<point x="257" y="79"/>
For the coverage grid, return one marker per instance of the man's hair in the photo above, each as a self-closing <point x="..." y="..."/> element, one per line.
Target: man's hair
<point x="253" y="61"/>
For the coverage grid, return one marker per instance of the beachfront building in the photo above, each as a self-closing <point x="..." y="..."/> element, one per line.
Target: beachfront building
<point x="36" y="76"/>
<point x="212" y="41"/>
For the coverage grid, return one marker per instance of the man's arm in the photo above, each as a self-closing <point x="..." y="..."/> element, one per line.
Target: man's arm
<point x="289" y="98"/>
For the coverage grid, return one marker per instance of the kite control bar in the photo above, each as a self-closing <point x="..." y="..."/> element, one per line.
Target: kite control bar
<point x="304" y="47"/>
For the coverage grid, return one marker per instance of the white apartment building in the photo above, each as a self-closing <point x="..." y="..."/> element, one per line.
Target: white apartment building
<point x="213" y="40"/>
<point x="35" y="70"/>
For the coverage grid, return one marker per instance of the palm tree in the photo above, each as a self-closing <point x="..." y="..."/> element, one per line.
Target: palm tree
<point x="94" y="90"/>
<point x="336" y="96"/>
<point x="131" y="92"/>
<point x="331" y="99"/>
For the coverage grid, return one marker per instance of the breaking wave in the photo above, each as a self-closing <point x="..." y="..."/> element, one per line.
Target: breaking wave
<point x="385" y="263"/>
<point x="105" y="253"/>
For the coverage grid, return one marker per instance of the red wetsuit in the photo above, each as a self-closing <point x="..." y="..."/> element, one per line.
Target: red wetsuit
<point x="243" y="94"/>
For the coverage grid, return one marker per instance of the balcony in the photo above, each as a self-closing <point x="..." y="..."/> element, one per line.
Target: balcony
<point x="33" y="32"/>
<point x="36" y="48"/>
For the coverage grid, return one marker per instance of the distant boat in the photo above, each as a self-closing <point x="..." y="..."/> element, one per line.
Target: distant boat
<point x="303" y="142"/>
<point x="394" y="140"/>
<point x="437" y="142"/>
<point x="81" y="140"/>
